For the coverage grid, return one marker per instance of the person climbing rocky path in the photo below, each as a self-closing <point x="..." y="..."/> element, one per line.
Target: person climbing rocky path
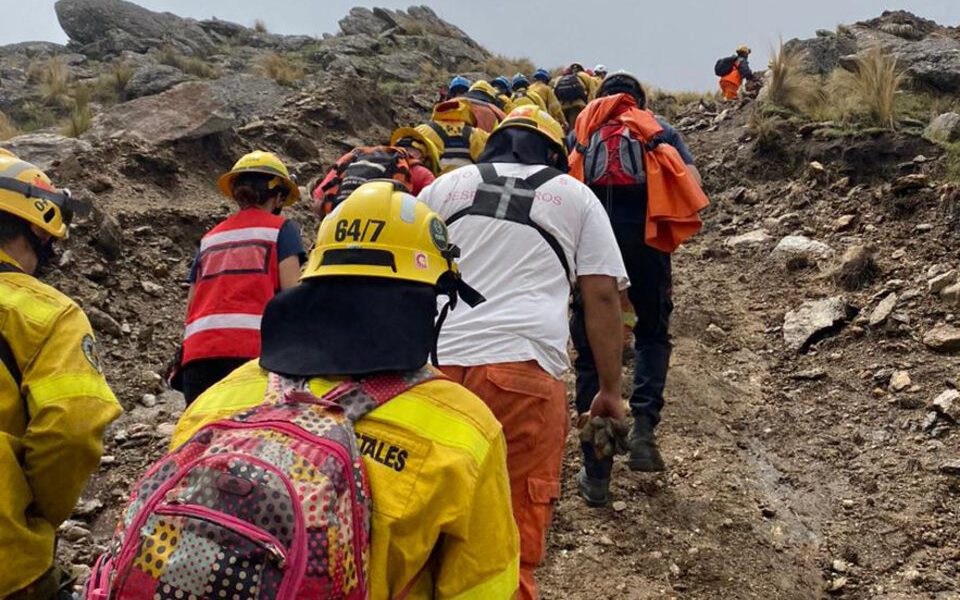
<point x="811" y="428"/>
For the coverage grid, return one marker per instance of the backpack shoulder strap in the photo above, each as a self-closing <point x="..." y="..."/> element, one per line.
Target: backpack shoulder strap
<point x="10" y="362"/>
<point x="359" y="398"/>
<point x="6" y="352"/>
<point x="440" y="131"/>
<point x="542" y="177"/>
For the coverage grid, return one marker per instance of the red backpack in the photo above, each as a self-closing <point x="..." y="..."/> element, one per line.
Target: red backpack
<point x="613" y="157"/>
<point x="363" y="164"/>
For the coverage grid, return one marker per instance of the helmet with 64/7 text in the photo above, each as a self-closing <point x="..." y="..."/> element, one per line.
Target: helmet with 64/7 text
<point x="383" y="231"/>
<point x="27" y="192"/>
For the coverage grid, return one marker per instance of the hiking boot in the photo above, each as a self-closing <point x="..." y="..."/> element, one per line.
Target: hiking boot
<point x="644" y="454"/>
<point x="595" y="492"/>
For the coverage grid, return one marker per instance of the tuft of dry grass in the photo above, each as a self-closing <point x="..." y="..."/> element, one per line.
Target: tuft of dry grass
<point x="499" y="64"/>
<point x="188" y="64"/>
<point x="54" y="79"/>
<point x="111" y="87"/>
<point x="788" y="85"/>
<point x="81" y="115"/>
<point x="260" y="26"/>
<point x="431" y="74"/>
<point x="870" y="89"/>
<point x="8" y="128"/>
<point x="280" y="69"/>
<point x="769" y="129"/>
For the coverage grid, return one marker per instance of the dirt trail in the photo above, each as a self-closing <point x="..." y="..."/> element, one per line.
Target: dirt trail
<point x="722" y="522"/>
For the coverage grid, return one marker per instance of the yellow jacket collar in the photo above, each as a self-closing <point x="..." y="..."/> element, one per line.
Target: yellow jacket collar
<point x="4" y="257"/>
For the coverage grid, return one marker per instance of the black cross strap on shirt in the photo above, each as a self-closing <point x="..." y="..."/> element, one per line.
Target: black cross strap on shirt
<point x="511" y="199"/>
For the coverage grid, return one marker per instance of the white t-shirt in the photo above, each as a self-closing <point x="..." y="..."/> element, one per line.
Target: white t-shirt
<point x="525" y="316"/>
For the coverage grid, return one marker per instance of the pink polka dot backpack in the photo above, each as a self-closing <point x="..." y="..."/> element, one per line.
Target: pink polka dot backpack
<point x="270" y="503"/>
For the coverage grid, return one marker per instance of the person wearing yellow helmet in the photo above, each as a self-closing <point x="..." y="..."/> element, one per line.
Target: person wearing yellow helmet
<point x="528" y="233"/>
<point x="453" y="132"/>
<point x="434" y="455"/>
<point x="54" y="400"/>
<point x="410" y="159"/>
<point x="486" y="105"/>
<point x="241" y="264"/>
<point x="540" y="84"/>
<point x="733" y="71"/>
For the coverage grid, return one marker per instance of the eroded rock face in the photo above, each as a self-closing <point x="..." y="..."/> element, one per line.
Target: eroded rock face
<point x="111" y="26"/>
<point x="928" y="53"/>
<point x="46" y="150"/>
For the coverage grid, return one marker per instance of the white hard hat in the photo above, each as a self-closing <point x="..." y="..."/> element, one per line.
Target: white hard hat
<point x="600" y="68"/>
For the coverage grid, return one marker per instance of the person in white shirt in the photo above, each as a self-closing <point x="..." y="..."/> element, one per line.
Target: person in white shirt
<point x="528" y="233"/>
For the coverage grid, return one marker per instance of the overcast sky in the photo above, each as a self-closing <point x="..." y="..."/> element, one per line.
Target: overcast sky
<point x="672" y="44"/>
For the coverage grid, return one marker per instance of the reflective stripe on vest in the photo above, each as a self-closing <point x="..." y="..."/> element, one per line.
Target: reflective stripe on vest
<point x="247" y="234"/>
<point x="227" y="321"/>
<point x="511" y="199"/>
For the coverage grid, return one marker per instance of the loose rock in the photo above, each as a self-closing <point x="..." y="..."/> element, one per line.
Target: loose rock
<point x="814" y="320"/>
<point x="899" y="381"/>
<point x="942" y="338"/>
<point x="882" y="312"/>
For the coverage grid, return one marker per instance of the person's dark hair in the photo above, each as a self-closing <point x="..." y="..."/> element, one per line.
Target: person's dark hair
<point x="624" y="85"/>
<point x="12" y="227"/>
<point x="251" y="189"/>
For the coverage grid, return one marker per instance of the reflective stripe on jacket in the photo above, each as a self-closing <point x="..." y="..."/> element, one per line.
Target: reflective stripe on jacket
<point x="237" y="274"/>
<point x="51" y="428"/>
<point x="447" y="500"/>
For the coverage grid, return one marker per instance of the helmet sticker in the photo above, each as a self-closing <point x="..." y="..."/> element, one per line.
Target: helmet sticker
<point x="420" y="259"/>
<point x="89" y="347"/>
<point x="438" y="232"/>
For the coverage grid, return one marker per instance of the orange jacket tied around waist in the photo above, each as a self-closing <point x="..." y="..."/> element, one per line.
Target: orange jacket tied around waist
<point x="674" y="198"/>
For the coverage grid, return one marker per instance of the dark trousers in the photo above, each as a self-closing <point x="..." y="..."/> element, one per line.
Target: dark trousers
<point x="200" y="375"/>
<point x="651" y="295"/>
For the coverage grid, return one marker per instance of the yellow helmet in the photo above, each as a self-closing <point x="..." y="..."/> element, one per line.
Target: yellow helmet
<point x="26" y="192"/>
<point x="421" y="143"/>
<point x="5" y="152"/>
<point x="380" y="231"/>
<point x="485" y="88"/>
<point x="267" y="163"/>
<point x="535" y="119"/>
<point x="529" y="98"/>
<point x="743" y="49"/>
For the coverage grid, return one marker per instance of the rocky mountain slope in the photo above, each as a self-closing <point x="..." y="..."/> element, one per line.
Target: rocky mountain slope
<point x="811" y="425"/>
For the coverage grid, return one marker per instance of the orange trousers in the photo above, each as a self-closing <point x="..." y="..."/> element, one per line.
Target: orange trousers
<point x="531" y="405"/>
<point x="731" y="90"/>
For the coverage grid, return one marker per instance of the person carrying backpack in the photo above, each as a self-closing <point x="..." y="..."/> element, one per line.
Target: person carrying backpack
<point x="340" y="465"/>
<point x="54" y="400"/>
<point x="410" y="159"/>
<point x="574" y="89"/>
<point x="486" y="105"/>
<point x="453" y="132"/>
<point x="504" y="89"/>
<point x="733" y="71"/>
<point x="522" y="96"/>
<point x="241" y="264"/>
<point x="541" y="86"/>
<point x="528" y="231"/>
<point x="644" y="175"/>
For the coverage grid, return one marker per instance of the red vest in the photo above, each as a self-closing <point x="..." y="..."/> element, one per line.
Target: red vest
<point x="237" y="274"/>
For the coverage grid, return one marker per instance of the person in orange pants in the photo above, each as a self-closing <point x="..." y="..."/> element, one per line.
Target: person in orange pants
<point x="730" y="83"/>
<point x="528" y="233"/>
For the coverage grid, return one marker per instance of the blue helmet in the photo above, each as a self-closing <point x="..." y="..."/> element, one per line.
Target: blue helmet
<point x="520" y="81"/>
<point x="542" y="75"/>
<point x="503" y="83"/>
<point x="459" y="83"/>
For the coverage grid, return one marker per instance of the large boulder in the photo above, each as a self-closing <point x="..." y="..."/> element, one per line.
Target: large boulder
<point x="928" y="53"/>
<point x="944" y="128"/>
<point x="191" y="110"/>
<point x="110" y="26"/>
<point x="46" y="150"/>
